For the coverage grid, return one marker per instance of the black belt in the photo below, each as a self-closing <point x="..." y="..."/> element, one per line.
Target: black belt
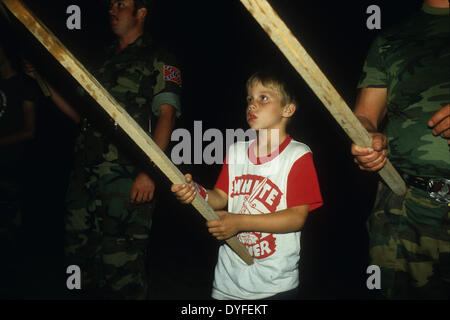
<point x="437" y="188"/>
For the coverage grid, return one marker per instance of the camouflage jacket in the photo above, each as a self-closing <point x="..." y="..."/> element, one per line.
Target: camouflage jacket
<point x="412" y="61"/>
<point x="141" y="79"/>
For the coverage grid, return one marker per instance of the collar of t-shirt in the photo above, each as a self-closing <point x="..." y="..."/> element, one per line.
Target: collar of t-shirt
<point x="261" y="160"/>
<point x="435" y="10"/>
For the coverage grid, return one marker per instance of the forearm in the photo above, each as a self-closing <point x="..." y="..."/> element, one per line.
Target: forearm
<point x="368" y="124"/>
<point x="216" y="200"/>
<point x="371" y="107"/>
<point x="163" y="129"/>
<point x="284" y="221"/>
<point x="63" y="105"/>
<point x="164" y="126"/>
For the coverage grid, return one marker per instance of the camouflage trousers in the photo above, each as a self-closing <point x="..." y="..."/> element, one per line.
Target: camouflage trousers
<point x="410" y="242"/>
<point x="106" y="235"/>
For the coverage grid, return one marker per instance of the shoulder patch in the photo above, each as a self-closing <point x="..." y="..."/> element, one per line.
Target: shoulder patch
<point x="173" y="74"/>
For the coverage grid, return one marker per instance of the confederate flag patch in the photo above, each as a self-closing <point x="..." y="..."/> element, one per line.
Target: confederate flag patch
<point x="171" y="73"/>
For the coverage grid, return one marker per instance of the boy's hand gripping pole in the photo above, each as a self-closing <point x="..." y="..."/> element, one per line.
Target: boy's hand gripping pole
<point x="319" y="84"/>
<point x="115" y="111"/>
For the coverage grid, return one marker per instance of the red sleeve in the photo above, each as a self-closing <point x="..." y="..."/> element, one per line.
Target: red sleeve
<point x="222" y="181"/>
<point x="302" y="185"/>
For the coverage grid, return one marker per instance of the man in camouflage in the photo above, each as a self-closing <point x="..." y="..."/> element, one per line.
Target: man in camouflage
<point x="110" y="195"/>
<point x="406" y="78"/>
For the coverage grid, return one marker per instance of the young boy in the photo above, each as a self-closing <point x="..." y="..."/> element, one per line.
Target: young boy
<point x="270" y="185"/>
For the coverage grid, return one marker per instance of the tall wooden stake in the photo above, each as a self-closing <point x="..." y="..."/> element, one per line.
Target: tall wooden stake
<point x="277" y="30"/>
<point x="115" y="111"/>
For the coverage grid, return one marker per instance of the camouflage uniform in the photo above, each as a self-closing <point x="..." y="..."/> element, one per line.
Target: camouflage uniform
<point x="410" y="235"/>
<point x="107" y="236"/>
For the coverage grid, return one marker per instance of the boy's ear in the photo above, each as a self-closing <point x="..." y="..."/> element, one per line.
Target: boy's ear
<point x="289" y="110"/>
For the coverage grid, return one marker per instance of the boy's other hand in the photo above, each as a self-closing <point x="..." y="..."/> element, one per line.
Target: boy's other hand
<point x="185" y="193"/>
<point x="371" y="159"/>
<point x="225" y="227"/>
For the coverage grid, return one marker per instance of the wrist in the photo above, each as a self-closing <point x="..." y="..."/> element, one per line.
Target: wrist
<point x="148" y="169"/>
<point x="242" y="222"/>
<point x="202" y="191"/>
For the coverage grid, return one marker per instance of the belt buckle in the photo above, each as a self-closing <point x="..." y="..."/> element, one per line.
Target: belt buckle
<point x="439" y="190"/>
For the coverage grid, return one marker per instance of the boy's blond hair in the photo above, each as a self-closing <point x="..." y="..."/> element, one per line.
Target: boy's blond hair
<point x="274" y="82"/>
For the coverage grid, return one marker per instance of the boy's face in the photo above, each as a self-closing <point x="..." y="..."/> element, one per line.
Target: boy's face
<point x="264" y="108"/>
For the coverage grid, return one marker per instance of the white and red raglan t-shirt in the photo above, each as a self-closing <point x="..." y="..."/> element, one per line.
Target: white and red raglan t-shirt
<point x="260" y="186"/>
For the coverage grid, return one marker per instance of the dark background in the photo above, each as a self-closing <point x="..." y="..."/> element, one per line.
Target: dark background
<point x="219" y="45"/>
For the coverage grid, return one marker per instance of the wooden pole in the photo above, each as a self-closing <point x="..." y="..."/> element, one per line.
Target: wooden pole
<point x="115" y="111"/>
<point x="277" y="30"/>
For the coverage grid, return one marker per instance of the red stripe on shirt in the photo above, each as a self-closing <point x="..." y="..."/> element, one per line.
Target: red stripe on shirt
<point x="261" y="160"/>
<point x="303" y="185"/>
<point x="222" y="181"/>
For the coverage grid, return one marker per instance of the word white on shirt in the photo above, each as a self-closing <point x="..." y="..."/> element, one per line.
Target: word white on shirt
<point x="261" y="195"/>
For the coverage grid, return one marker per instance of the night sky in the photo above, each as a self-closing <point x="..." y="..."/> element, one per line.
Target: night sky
<point x="218" y="45"/>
